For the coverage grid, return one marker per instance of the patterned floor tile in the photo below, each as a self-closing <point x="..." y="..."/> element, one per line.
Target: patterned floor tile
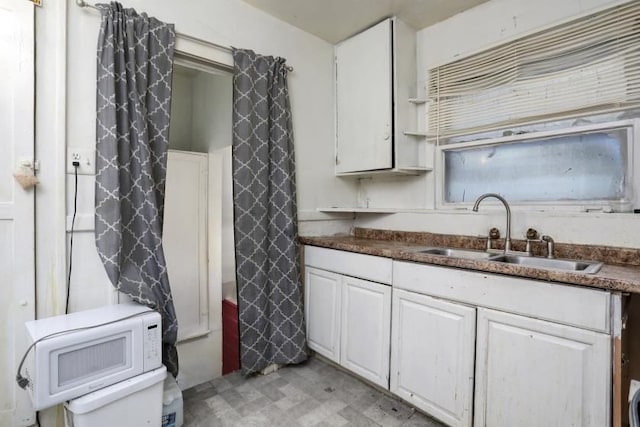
<point x="277" y="416"/>
<point x="232" y="397"/>
<point x="272" y="390"/>
<point x="355" y="418"/>
<point x="303" y="408"/>
<point x="293" y="397"/>
<point x="388" y="412"/>
<point x="421" y="421"/>
<point x="254" y="406"/>
<point x="315" y="394"/>
<point x="323" y="413"/>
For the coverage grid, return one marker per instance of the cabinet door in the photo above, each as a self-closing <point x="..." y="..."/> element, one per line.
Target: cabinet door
<point x="364" y="101"/>
<point x="432" y="355"/>
<point x="366" y="328"/>
<point x="184" y="240"/>
<point x="535" y="373"/>
<point x="322" y="312"/>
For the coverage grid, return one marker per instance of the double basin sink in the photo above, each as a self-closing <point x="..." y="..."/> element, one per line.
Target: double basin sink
<point x="576" y="266"/>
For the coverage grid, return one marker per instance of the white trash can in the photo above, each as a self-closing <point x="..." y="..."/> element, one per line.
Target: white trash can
<point x="135" y="402"/>
<point x="171" y="403"/>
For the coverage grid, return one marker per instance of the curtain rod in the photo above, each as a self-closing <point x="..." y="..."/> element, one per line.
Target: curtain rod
<point x="83" y="4"/>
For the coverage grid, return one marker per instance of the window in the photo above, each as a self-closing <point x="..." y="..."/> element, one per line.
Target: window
<point x="586" y="165"/>
<point x="511" y="120"/>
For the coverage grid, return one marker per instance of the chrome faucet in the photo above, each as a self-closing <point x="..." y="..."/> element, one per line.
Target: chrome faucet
<point x="507" y="238"/>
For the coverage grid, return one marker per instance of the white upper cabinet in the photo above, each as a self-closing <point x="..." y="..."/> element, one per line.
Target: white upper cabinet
<point x="375" y="78"/>
<point x="364" y="101"/>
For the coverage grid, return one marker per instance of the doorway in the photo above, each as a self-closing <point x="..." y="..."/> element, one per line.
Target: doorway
<point x="198" y="227"/>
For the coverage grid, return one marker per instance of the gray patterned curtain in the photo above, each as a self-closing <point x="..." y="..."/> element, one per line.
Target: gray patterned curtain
<point x="270" y="309"/>
<point x="135" y="63"/>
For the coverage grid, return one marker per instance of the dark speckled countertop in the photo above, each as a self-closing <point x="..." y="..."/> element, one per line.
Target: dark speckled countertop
<point x="621" y="271"/>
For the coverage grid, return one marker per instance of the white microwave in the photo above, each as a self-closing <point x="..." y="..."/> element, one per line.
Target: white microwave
<point x="78" y="353"/>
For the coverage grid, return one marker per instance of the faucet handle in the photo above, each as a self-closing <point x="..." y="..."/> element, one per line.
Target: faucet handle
<point x="531" y="234"/>
<point x="494" y="233"/>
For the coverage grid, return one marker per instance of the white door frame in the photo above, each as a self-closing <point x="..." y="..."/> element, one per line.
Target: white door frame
<point x="17" y="205"/>
<point x="50" y="143"/>
<point x="207" y="57"/>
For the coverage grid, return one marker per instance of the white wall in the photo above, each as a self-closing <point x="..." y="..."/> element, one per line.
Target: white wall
<point x="180" y="127"/>
<point x="493" y="23"/>
<point x="212" y="98"/>
<point x="230" y="23"/>
<point x="223" y="203"/>
<point x="482" y="27"/>
<point x="227" y="234"/>
<point x="66" y="66"/>
<point x="212" y="133"/>
<point x="67" y="38"/>
<point x="50" y="150"/>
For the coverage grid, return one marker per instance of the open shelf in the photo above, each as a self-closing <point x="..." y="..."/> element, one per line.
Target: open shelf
<point x="408" y="170"/>
<point x="362" y="210"/>
<point x="415" y="133"/>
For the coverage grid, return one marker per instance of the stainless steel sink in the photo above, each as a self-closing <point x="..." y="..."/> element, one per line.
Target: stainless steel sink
<point x="456" y="253"/>
<point x="588" y="267"/>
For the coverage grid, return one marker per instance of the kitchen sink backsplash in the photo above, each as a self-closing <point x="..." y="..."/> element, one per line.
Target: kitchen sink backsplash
<point x="606" y="254"/>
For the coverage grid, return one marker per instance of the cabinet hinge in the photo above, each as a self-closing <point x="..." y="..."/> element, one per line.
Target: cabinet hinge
<point x="36" y="2"/>
<point x="337" y="160"/>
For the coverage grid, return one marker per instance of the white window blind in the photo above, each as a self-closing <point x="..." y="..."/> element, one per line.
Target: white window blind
<point x="586" y="66"/>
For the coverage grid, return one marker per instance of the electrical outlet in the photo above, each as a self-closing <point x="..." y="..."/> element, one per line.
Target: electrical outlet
<point x="85" y="156"/>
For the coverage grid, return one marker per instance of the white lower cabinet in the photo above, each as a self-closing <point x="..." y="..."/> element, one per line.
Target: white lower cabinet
<point x="432" y="355"/>
<point x="542" y="351"/>
<point x="535" y="373"/>
<point x="322" y="297"/>
<point x="366" y="328"/>
<point x="540" y="356"/>
<point x="349" y="322"/>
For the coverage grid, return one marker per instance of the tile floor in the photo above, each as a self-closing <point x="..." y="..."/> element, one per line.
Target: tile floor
<point x="312" y="394"/>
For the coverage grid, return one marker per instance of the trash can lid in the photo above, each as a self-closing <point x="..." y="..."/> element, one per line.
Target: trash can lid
<point x="104" y="396"/>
